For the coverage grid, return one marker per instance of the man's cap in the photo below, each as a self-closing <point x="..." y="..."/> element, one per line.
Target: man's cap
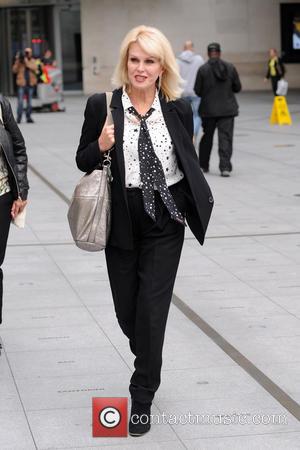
<point x="214" y="47"/>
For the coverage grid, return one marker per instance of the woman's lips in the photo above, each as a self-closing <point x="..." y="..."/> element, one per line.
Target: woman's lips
<point x="140" y="78"/>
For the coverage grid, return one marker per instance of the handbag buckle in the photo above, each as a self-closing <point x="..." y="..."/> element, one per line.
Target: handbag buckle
<point x="107" y="163"/>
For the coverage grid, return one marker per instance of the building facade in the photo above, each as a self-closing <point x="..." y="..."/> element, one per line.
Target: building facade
<point x="86" y="35"/>
<point x="41" y="25"/>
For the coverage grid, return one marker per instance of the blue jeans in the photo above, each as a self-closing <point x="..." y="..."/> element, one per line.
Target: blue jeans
<point x="28" y="91"/>
<point x="195" y="103"/>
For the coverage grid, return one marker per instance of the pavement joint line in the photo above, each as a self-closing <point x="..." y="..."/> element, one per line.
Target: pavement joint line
<point x="279" y="233"/>
<point x="68" y="201"/>
<point x="228" y="236"/>
<point x="49" y="184"/>
<point x="222" y="436"/>
<point x="259" y="119"/>
<point x="272" y="388"/>
<point x="40" y="244"/>
<point x="266" y="131"/>
<point x="19" y="395"/>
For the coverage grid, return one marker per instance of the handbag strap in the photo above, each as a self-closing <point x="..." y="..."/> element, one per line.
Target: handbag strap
<point x="1" y="116"/>
<point x="108" y="109"/>
<point x="107" y="158"/>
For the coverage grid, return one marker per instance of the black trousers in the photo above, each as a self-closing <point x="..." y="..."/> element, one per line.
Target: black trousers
<point x="142" y="283"/>
<point x="6" y="201"/>
<point x="225" y="136"/>
<point x="274" y="82"/>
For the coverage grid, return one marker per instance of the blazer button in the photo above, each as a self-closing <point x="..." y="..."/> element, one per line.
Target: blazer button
<point x="210" y="199"/>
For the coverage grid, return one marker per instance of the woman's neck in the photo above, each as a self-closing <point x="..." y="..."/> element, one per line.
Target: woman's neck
<point x="142" y="99"/>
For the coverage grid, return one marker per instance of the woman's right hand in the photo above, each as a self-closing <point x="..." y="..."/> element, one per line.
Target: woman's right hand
<point x="106" y="139"/>
<point x="17" y="207"/>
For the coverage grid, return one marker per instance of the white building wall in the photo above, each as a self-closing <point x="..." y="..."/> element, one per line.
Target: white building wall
<point x="246" y="29"/>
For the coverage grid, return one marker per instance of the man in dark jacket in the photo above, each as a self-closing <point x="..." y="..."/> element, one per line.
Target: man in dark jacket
<point x="216" y="82"/>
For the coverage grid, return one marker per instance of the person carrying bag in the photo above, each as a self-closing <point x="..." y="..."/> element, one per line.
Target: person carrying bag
<point x="89" y="214"/>
<point x="13" y="179"/>
<point x="157" y="188"/>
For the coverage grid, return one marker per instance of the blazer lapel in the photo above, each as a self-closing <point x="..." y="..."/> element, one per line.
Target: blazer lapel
<point x="118" y="116"/>
<point x="173" y="123"/>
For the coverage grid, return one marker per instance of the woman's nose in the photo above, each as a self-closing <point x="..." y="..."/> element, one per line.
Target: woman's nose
<point x="141" y="66"/>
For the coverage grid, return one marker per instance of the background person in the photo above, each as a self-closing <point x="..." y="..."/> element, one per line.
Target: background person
<point x="152" y="139"/>
<point x="189" y="63"/>
<point x="276" y="69"/>
<point x="48" y="58"/>
<point x="25" y="68"/>
<point x="13" y="178"/>
<point x="216" y="83"/>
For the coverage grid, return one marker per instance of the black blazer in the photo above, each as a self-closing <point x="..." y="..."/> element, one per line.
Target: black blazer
<point x="179" y="121"/>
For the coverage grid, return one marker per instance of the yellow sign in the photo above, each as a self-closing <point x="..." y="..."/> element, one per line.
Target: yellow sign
<point x="280" y="112"/>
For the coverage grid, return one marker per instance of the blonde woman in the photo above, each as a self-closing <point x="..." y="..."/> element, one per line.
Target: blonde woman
<point x="157" y="187"/>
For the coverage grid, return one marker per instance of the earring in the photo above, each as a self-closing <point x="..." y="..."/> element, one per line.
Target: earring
<point x="159" y="83"/>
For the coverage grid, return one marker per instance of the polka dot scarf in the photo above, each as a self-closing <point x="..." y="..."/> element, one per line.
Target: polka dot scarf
<point x="152" y="173"/>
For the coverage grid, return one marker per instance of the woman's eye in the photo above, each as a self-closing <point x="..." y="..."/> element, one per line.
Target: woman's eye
<point x="149" y="61"/>
<point x="134" y="60"/>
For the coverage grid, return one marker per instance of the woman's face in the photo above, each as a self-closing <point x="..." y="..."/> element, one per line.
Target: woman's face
<point x="272" y="53"/>
<point x="143" y="69"/>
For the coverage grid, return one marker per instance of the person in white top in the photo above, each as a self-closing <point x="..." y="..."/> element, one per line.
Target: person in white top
<point x="157" y="186"/>
<point x="189" y="63"/>
<point x="161" y="141"/>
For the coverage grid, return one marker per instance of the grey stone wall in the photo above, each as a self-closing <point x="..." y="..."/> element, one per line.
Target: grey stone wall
<point x="246" y="30"/>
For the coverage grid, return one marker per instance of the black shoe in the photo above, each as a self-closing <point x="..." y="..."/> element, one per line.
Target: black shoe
<point x="139" y="422"/>
<point x="205" y="169"/>
<point x="30" y="120"/>
<point x="19" y="120"/>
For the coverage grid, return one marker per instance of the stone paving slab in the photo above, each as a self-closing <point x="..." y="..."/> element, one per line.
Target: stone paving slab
<point x="266" y="441"/>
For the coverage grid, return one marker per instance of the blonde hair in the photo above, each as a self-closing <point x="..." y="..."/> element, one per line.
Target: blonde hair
<point x="155" y="43"/>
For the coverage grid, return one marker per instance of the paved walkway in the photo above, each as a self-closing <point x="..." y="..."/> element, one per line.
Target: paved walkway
<point x="232" y="344"/>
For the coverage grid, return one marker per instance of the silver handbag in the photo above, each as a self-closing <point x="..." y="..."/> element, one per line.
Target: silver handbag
<point x="89" y="214"/>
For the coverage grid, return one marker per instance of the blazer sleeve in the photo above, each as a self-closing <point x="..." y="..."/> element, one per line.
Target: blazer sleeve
<point x="236" y="83"/>
<point x="88" y="155"/>
<point x="19" y="148"/>
<point x="185" y="114"/>
<point x="198" y="83"/>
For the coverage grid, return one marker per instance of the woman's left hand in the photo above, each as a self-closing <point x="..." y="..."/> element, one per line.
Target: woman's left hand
<point x="17" y="207"/>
